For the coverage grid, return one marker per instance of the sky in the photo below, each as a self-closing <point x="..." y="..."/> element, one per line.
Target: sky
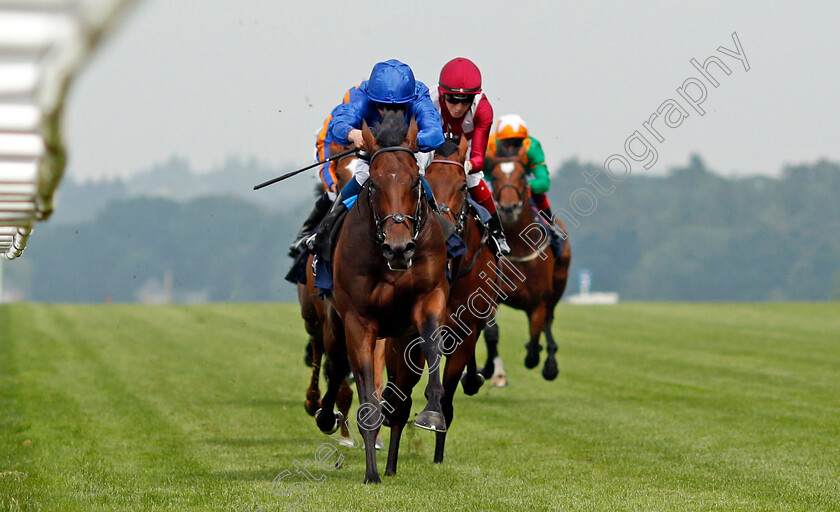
<point x="206" y="81"/>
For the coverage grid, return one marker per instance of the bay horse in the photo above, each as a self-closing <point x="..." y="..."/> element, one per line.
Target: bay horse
<point x="389" y="278"/>
<point x="473" y="276"/>
<point x="313" y="312"/>
<point x="541" y="277"/>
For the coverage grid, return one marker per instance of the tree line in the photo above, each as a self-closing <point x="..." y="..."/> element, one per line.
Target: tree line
<point x="691" y="235"/>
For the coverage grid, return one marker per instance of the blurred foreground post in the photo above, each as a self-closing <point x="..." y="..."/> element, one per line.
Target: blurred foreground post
<point x="43" y="44"/>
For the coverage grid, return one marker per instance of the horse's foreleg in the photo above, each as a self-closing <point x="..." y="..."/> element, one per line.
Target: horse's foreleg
<point x="491" y="338"/>
<point x="361" y="339"/>
<point x="536" y="319"/>
<point x="463" y="356"/>
<point x="550" y="370"/>
<point x="427" y="317"/>
<point x="397" y="396"/>
<point x="343" y="402"/>
<point x="336" y="367"/>
<point x="313" y="393"/>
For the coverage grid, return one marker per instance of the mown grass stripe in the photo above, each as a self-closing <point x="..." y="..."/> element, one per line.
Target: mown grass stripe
<point x="658" y="407"/>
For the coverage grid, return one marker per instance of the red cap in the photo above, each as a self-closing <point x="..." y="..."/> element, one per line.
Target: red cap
<point x="460" y="76"/>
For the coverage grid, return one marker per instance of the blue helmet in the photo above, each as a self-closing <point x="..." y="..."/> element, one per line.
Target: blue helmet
<point x="391" y="82"/>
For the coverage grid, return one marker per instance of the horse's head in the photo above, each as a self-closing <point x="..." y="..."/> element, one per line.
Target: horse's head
<point x="445" y="175"/>
<point x="345" y="167"/>
<point x="510" y="185"/>
<point x="395" y="194"/>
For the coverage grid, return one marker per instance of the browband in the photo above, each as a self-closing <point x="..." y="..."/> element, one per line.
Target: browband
<point x="391" y="149"/>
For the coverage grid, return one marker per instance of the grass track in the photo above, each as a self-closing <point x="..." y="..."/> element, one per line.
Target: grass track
<point x="657" y="407"/>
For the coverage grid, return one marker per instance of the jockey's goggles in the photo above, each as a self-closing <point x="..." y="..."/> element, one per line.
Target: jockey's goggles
<point x="390" y="106"/>
<point x="455" y="99"/>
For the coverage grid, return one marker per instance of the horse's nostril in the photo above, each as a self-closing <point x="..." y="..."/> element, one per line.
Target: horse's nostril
<point x="387" y="251"/>
<point x="409" y="250"/>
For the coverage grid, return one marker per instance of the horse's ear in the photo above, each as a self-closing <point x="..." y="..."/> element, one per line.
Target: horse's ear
<point x="463" y="147"/>
<point x="410" y="140"/>
<point x="369" y="140"/>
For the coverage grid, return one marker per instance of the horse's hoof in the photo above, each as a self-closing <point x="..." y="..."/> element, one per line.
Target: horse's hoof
<point x="471" y="387"/>
<point x="379" y="444"/>
<point x="330" y="430"/>
<point x="499" y="381"/>
<point x="487" y="371"/>
<point x="431" y="420"/>
<point x="550" y="370"/>
<point x="533" y="357"/>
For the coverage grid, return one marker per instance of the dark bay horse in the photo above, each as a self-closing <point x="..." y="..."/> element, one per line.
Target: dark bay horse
<point x="540" y="277"/>
<point x="313" y="312"/>
<point x="389" y="274"/>
<point x="473" y="297"/>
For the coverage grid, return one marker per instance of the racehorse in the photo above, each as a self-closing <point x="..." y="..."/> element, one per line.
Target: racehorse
<point x="312" y="311"/>
<point x="473" y="277"/>
<point x="389" y="278"/>
<point x="541" y="277"/>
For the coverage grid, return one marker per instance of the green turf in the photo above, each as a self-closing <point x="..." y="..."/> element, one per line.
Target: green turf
<point x="657" y="407"/>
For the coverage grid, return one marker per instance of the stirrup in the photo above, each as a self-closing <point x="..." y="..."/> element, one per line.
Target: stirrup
<point x="309" y="241"/>
<point x="298" y="245"/>
<point x="500" y="246"/>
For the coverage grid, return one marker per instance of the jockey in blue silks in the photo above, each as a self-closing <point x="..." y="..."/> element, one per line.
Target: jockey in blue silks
<point x="391" y="86"/>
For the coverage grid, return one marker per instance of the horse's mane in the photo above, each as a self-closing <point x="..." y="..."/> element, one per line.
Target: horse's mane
<point x="391" y="129"/>
<point x="447" y="148"/>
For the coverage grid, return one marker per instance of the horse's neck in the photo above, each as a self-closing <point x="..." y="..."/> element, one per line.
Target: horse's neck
<point x="471" y="236"/>
<point x="526" y="218"/>
<point x="365" y="214"/>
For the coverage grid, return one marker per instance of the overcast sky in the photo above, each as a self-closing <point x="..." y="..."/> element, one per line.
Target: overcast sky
<point x="207" y="80"/>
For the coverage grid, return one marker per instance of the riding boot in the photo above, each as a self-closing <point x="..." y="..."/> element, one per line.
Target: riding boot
<point x="497" y="235"/>
<point x="321" y="207"/>
<point x="546" y="214"/>
<point x="555" y="229"/>
<point x="320" y="243"/>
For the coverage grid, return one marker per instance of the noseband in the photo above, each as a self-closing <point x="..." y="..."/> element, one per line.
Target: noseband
<point x="396" y="218"/>
<point x="461" y="218"/>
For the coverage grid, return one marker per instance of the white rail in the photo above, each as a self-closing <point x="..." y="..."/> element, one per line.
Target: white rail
<point x="43" y="44"/>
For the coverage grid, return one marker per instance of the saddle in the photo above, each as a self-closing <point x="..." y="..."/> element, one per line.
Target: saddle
<point x="555" y="241"/>
<point x="297" y="272"/>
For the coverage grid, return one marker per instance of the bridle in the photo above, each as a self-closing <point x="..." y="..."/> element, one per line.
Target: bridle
<point x="517" y="209"/>
<point x="461" y="218"/>
<point x="395" y="218"/>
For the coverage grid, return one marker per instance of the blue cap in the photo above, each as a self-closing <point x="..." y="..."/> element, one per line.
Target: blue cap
<point x="391" y="82"/>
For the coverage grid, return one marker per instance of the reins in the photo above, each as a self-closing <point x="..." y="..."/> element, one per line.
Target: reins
<point x="461" y="218"/>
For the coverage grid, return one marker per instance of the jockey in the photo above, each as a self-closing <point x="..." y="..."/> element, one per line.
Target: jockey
<point x="391" y="86"/>
<point x="328" y="177"/>
<point x="466" y="112"/>
<point x="511" y="134"/>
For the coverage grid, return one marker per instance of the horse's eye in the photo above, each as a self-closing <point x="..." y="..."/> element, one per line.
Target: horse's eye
<point x="464" y="188"/>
